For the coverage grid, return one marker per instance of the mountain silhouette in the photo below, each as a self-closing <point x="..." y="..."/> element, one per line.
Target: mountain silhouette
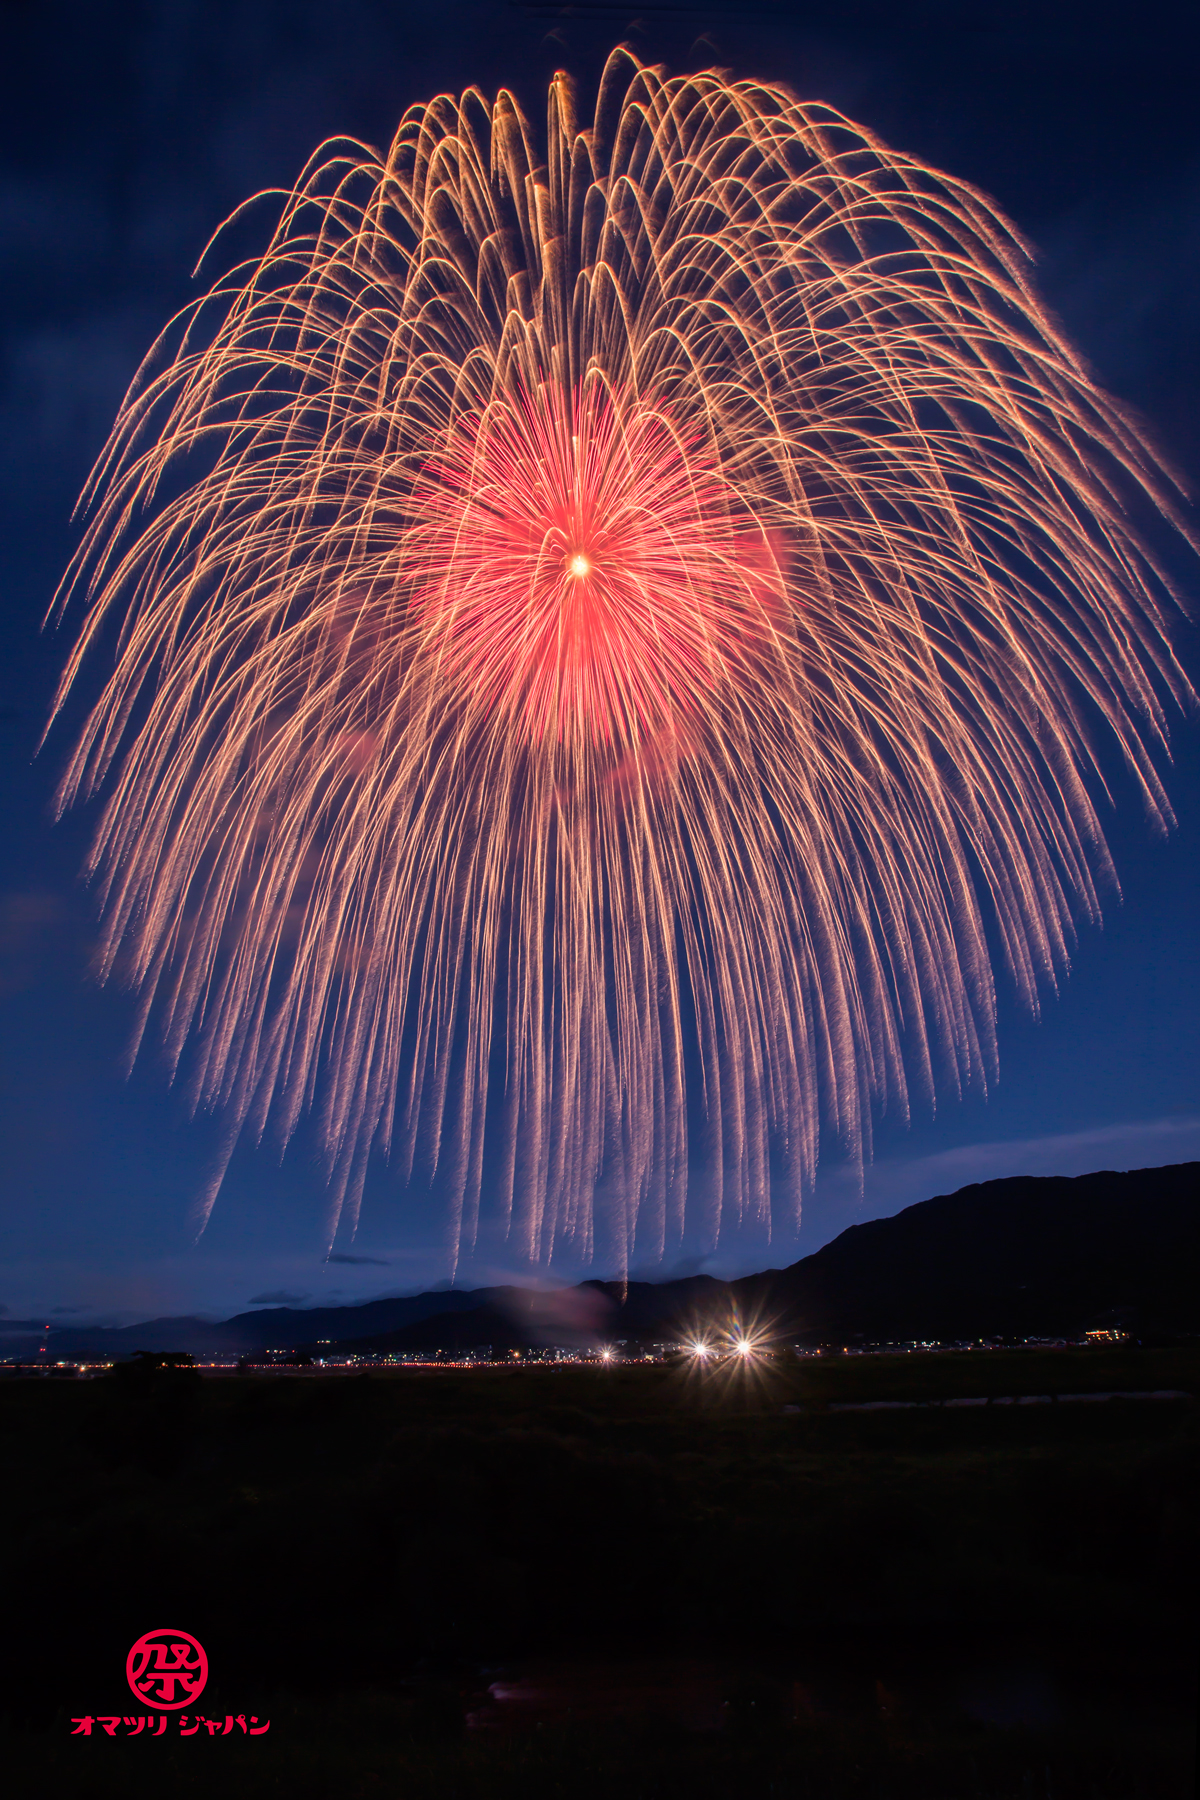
<point x="1025" y="1256"/>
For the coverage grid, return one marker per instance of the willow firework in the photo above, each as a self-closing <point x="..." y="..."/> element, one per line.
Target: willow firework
<point x="605" y="644"/>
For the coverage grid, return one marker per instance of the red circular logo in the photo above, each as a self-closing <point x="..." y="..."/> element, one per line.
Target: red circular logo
<point x="167" y="1669"/>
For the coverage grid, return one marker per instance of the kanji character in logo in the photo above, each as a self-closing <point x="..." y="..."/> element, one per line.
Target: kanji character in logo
<point x="167" y="1669"/>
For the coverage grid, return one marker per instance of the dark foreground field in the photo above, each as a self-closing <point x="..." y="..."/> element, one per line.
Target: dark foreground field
<point x="635" y="1580"/>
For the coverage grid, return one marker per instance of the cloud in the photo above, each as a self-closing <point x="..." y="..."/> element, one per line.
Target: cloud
<point x="279" y="1298"/>
<point x="379" y="1262"/>
<point x="1140" y="1144"/>
<point x="69" y="1309"/>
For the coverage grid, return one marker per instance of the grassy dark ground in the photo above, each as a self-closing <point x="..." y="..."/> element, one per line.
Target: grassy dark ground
<point x="364" y="1556"/>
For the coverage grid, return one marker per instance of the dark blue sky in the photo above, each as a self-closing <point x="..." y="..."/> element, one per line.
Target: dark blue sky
<point x="128" y="133"/>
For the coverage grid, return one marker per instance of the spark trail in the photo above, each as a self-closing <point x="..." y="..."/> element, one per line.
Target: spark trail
<point x="605" y="637"/>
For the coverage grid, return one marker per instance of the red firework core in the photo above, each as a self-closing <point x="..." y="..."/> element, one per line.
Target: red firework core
<point x="577" y="563"/>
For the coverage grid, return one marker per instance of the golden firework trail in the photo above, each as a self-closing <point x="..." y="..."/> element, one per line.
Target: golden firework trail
<point x="608" y="647"/>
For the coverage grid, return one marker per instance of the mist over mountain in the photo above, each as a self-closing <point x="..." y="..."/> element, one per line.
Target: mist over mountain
<point x="1030" y="1255"/>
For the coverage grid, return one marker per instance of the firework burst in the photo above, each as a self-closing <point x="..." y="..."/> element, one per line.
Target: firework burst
<point x="609" y="641"/>
<point x="578" y="568"/>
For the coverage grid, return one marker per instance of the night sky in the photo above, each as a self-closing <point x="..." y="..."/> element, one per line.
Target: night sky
<point x="129" y="133"/>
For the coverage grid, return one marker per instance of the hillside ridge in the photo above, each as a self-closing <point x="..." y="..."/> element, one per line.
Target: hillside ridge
<point x="1022" y="1255"/>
